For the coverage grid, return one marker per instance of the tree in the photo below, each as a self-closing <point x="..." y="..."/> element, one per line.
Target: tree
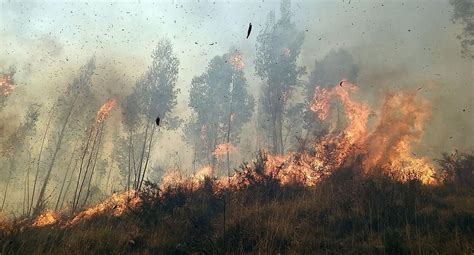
<point x="335" y="67"/>
<point x="74" y="107"/>
<point x="221" y="107"/>
<point x="278" y="48"/>
<point x="90" y="155"/>
<point x="154" y="95"/>
<point x="18" y="152"/>
<point x="464" y="14"/>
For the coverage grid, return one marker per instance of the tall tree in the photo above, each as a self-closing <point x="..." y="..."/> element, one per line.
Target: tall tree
<point x="336" y="66"/>
<point x="74" y="107"/>
<point x="89" y="156"/>
<point x="154" y="96"/>
<point x="18" y="155"/>
<point x="278" y="48"/>
<point x="221" y="106"/>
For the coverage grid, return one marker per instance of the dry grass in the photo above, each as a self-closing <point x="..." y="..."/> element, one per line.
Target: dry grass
<point x="343" y="215"/>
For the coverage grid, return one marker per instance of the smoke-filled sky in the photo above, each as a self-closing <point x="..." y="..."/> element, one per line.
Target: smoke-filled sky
<point x="396" y="44"/>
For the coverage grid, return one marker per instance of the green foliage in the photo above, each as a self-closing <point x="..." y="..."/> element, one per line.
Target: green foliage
<point x="154" y="96"/>
<point x="221" y="106"/>
<point x="278" y="48"/>
<point x="155" y="92"/>
<point x="329" y="72"/>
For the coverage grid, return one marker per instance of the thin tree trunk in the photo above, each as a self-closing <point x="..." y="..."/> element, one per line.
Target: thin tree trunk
<point x="228" y="143"/>
<point x="95" y="162"/>
<point x="30" y="208"/>
<point x="135" y="170"/>
<point x="280" y="133"/>
<point x="228" y="126"/>
<point x="147" y="158"/>
<point x="108" y="179"/>
<point x="26" y="197"/>
<point x="129" y="160"/>
<point x="65" y="175"/>
<point x="6" y="190"/>
<point x="86" y="171"/>
<point x="68" y="184"/>
<point x="84" y="154"/>
<point x="142" y="156"/>
<point x="40" y="201"/>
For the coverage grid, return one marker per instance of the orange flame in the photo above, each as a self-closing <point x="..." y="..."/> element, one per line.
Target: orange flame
<point x="223" y="149"/>
<point x="115" y="205"/>
<point x="386" y="148"/>
<point x="389" y="145"/>
<point x="104" y="110"/>
<point x="6" y="84"/>
<point x="47" y="218"/>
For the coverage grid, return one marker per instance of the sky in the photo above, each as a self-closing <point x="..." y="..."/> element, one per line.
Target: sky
<point x="405" y="44"/>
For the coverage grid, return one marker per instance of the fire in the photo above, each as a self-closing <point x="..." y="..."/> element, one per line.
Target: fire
<point x="174" y="178"/>
<point x="104" y="110"/>
<point x="386" y="148"/>
<point x="115" y="206"/>
<point x="47" y="218"/>
<point x="389" y="146"/>
<point x="237" y="61"/>
<point x="223" y="149"/>
<point x="203" y="173"/>
<point x="6" y="84"/>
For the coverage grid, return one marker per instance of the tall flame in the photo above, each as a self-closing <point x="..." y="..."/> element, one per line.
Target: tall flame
<point x="402" y="120"/>
<point x="105" y="109"/>
<point x="386" y="148"/>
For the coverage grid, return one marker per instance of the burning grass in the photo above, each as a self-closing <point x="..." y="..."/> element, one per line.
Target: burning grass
<point x="45" y="219"/>
<point x="347" y="212"/>
<point x="357" y="190"/>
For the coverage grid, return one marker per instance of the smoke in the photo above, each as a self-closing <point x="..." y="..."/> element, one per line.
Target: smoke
<point x="403" y="46"/>
<point x="395" y="44"/>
